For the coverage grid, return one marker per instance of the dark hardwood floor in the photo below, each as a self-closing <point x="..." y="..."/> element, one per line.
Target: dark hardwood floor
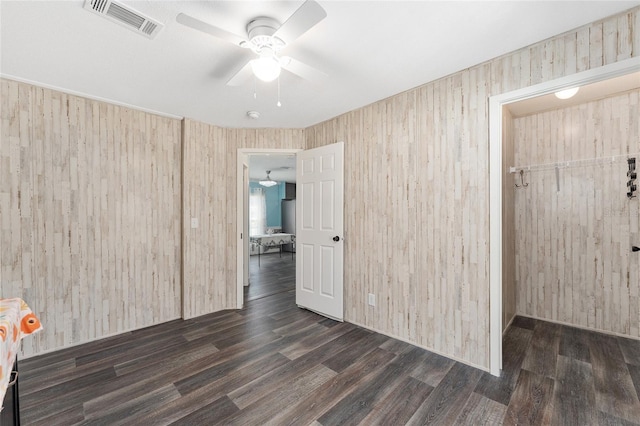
<point x="275" y="274"/>
<point x="273" y="363"/>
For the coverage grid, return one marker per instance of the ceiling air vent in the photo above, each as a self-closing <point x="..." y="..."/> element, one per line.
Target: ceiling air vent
<point x="124" y="15"/>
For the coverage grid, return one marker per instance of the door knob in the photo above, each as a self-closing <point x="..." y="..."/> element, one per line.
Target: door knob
<point x="336" y="238"/>
<point x="634" y="248"/>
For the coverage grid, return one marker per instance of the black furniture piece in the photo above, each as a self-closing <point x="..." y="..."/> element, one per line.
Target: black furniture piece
<point x="10" y="414"/>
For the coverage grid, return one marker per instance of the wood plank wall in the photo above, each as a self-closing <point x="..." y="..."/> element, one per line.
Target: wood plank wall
<point x="89" y="208"/>
<point x="205" y="249"/>
<point x="210" y="156"/>
<point x="573" y="250"/>
<point x="416" y="213"/>
<point x="417" y="190"/>
<point x="509" y="289"/>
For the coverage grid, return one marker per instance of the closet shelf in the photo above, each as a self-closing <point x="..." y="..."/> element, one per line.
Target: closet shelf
<point x="573" y="163"/>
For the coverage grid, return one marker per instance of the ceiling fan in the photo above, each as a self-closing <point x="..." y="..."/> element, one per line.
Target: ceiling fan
<point x="266" y="37"/>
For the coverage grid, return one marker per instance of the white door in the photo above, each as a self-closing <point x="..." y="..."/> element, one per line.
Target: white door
<point x="319" y="230"/>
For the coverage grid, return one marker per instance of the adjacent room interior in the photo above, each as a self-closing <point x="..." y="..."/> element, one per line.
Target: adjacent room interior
<point x="303" y="212"/>
<point x="272" y="225"/>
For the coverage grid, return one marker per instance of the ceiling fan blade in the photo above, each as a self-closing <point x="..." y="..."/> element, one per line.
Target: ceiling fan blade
<point x="197" y="24"/>
<point x="302" y="20"/>
<point x="301" y="69"/>
<point x="241" y="76"/>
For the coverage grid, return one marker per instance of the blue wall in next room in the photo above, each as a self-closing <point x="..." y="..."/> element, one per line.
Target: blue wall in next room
<point x="273" y="197"/>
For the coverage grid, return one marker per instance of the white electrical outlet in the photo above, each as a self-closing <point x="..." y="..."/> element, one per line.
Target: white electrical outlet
<point x="372" y="299"/>
<point x="194" y="222"/>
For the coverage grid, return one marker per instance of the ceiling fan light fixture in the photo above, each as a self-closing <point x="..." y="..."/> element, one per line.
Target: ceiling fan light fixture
<point x="266" y="37"/>
<point x="268" y="182"/>
<point x="568" y="93"/>
<point x="266" y="68"/>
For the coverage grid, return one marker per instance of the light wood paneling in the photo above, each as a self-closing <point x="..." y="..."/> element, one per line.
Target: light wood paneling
<point x="416" y="185"/>
<point x="574" y="244"/>
<point x="90" y="207"/>
<point x="205" y="247"/>
<point x="508" y="222"/>
<point x="416" y="213"/>
<point x="209" y="191"/>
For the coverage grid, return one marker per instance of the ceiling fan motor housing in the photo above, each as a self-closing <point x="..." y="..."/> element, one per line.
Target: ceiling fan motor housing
<point x="261" y="31"/>
<point x="266" y="37"/>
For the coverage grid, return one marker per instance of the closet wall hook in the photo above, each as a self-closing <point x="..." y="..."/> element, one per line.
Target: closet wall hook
<point x="522" y="184"/>
<point x="632" y="178"/>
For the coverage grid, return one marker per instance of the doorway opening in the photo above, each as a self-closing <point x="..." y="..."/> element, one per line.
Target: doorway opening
<point x="319" y="238"/>
<point x="266" y="222"/>
<point x="501" y="161"/>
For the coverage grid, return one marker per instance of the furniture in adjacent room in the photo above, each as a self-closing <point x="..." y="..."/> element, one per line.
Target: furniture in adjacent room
<point x="268" y="241"/>
<point x="16" y="321"/>
<point x="289" y="191"/>
<point x="288" y="208"/>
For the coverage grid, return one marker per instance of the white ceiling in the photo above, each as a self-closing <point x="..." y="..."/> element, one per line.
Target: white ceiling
<point x="370" y="50"/>
<point x="591" y="92"/>
<point x="282" y="167"/>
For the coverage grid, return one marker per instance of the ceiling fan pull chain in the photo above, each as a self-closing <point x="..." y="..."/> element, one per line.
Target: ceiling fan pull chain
<point x="255" y="93"/>
<point x="279" y="104"/>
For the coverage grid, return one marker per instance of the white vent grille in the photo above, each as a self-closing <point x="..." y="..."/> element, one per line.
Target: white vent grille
<point x="124" y="15"/>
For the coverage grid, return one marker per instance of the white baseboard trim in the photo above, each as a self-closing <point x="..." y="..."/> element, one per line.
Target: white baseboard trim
<point x="509" y="324"/>
<point x="95" y="339"/>
<point x="568" y="324"/>
<point x="462" y="361"/>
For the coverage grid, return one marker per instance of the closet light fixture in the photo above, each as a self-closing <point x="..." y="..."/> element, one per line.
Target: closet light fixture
<point x="567" y="93"/>
<point x="268" y="182"/>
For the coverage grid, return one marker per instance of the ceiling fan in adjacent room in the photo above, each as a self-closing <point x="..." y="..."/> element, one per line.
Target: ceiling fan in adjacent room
<point x="266" y="37"/>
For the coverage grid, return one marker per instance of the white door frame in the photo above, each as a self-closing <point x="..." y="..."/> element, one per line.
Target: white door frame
<point x="242" y="158"/>
<point x="245" y="222"/>
<point x="495" y="183"/>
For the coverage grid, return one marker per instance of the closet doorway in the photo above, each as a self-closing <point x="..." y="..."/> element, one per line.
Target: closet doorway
<point x="561" y="226"/>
